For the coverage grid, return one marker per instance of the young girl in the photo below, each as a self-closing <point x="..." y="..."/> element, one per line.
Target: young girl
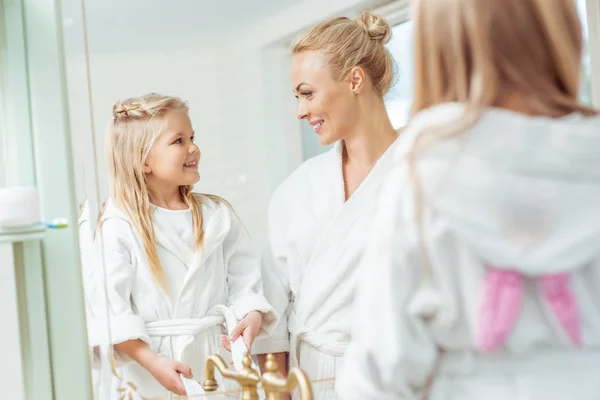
<point x="168" y="258"/>
<point x="483" y="274"/>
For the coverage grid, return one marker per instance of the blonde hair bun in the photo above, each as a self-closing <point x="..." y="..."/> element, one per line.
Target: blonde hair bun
<point x="353" y="43"/>
<point x="375" y="26"/>
<point x="123" y="108"/>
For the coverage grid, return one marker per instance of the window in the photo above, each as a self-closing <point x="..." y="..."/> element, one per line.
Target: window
<point x="399" y="99"/>
<point x="585" y="95"/>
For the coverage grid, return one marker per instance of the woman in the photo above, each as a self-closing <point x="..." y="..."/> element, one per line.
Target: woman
<point x="340" y="73"/>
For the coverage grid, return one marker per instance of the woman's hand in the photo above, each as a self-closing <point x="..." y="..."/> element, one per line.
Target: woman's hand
<point x="248" y="328"/>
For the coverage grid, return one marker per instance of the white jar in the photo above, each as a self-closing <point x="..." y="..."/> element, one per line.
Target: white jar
<point x="19" y="207"/>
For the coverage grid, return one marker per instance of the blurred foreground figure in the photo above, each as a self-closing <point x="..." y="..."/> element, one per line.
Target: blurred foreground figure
<point x="483" y="275"/>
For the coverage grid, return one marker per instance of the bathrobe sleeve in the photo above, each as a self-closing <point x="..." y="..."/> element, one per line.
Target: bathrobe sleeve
<point x="392" y="353"/>
<point x="115" y="250"/>
<point x="244" y="278"/>
<point x="275" y="275"/>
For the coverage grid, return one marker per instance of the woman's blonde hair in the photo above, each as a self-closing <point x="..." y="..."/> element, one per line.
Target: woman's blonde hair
<point x="353" y="43"/>
<point x="135" y="125"/>
<point x="475" y="52"/>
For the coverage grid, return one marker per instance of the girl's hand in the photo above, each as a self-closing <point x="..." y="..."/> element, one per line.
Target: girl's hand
<point x="166" y="372"/>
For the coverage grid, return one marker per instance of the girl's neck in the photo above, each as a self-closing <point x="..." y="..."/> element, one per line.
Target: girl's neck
<point x="170" y="199"/>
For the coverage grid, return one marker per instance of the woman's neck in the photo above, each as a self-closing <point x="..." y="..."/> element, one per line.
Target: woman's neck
<point x="371" y="137"/>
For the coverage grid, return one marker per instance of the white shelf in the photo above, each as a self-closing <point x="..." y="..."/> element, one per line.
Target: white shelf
<point x="12" y="235"/>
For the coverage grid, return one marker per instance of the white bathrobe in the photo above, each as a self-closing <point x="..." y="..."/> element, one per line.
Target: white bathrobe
<point x="510" y="308"/>
<point x="315" y="243"/>
<point x="185" y="325"/>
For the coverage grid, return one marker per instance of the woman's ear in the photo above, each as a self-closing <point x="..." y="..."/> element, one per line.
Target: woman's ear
<point x="357" y="79"/>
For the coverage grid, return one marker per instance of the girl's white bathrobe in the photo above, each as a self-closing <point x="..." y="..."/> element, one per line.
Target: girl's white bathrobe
<point x="510" y="306"/>
<point x="315" y="242"/>
<point x="183" y="325"/>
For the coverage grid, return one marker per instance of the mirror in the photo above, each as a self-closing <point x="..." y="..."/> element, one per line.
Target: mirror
<point x="229" y="62"/>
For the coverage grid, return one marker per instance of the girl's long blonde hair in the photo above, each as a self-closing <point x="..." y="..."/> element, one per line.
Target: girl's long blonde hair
<point x="476" y="52"/>
<point x="135" y="125"/>
<point x="472" y="51"/>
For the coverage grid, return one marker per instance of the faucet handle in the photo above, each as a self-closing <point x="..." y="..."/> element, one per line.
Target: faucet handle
<point x="247" y="378"/>
<point x="210" y="385"/>
<point x="274" y="383"/>
<point x="271" y="365"/>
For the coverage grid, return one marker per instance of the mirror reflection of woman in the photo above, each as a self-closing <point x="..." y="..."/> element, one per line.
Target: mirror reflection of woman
<point x="484" y="263"/>
<point x="165" y="257"/>
<point x="317" y="217"/>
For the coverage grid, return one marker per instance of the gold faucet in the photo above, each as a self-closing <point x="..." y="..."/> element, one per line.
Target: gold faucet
<point x="274" y="383"/>
<point x="248" y="378"/>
